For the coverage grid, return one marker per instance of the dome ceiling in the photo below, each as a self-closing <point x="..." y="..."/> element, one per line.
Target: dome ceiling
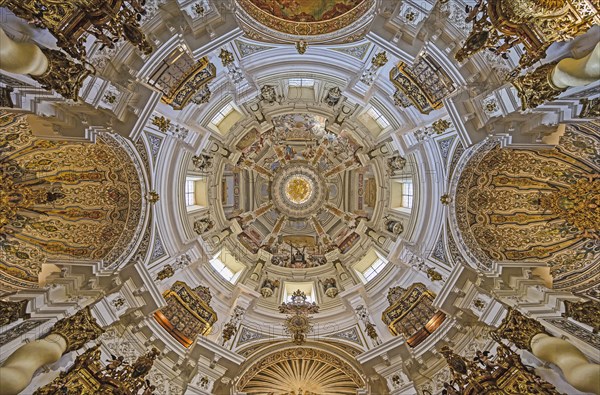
<point x="210" y="197"/>
<point x="304" y="19"/>
<point x="309" y="191"/>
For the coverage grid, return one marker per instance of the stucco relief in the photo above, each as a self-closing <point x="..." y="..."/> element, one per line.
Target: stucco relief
<point x="62" y="200"/>
<point x="525" y="205"/>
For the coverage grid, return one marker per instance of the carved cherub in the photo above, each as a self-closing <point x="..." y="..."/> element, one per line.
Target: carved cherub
<point x="115" y="362"/>
<point x="485" y="359"/>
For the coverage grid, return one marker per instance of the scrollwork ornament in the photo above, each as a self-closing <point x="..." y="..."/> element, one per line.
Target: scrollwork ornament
<point x="536" y="88"/>
<point x="163" y="124"/>
<point x="12" y="311"/>
<point x="590" y="108"/>
<point x="380" y="59"/>
<point x="301" y="47"/>
<point x="226" y="57"/>
<point x="203" y="225"/>
<point x="585" y="312"/>
<point x="77" y="329"/>
<point x="519" y="329"/>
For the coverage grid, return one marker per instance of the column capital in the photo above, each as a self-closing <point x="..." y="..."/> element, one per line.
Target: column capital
<point x="519" y="329"/>
<point x="63" y="75"/>
<point x="78" y="329"/>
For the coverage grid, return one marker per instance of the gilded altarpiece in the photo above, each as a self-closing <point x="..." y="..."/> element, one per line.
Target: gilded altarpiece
<point x="411" y="313"/>
<point x="188" y="313"/>
<point x="536" y="206"/>
<point x="424" y="82"/>
<point x="62" y="201"/>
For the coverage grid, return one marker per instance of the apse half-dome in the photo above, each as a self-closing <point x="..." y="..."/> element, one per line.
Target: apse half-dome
<point x="310" y="20"/>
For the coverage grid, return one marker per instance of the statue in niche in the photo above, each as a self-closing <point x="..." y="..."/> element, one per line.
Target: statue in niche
<point x="298" y="258"/>
<point x="333" y="96"/>
<point x="330" y="287"/>
<point x="268" y="287"/>
<point x="268" y="94"/>
<point x="396" y="163"/>
<point x="203" y="225"/>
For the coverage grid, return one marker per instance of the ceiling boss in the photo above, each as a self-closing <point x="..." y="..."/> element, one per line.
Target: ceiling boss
<point x="298" y="189"/>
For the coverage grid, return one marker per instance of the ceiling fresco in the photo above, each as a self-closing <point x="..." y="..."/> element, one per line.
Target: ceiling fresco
<point x="305" y="17"/>
<point x="310" y="191"/>
<point x="306" y="10"/>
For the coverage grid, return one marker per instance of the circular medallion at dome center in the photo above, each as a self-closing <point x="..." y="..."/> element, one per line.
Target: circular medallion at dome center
<point x="298" y="190"/>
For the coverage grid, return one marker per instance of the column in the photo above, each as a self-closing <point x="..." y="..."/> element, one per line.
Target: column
<point x="12" y="311"/>
<point x="66" y="335"/>
<point x="577" y="72"/>
<point x="527" y="333"/>
<point x="21" y="58"/>
<point x="548" y="81"/>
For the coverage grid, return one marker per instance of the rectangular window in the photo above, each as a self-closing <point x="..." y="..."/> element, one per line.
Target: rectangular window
<point x="301" y="82"/>
<point x="220" y="116"/>
<point x="223" y="270"/>
<point x="374" y="269"/>
<point x="190" y="192"/>
<point x="227" y="266"/>
<point x="407" y="194"/>
<point x="289" y="288"/>
<point x="378" y="117"/>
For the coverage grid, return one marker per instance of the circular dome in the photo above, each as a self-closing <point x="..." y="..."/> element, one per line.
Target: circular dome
<point x="298" y="190"/>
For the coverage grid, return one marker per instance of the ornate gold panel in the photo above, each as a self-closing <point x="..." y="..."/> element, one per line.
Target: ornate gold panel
<point x="188" y="313"/>
<point x="525" y="205"/>
<point x="62" y="200"/>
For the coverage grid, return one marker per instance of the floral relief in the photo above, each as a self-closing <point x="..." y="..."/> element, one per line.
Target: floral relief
<point x="62" y="199"/>
<point x="544" y="205"/>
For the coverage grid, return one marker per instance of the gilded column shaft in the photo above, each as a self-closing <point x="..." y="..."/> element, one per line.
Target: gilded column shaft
<point x="527" y="333"/>
<point x="66" y="335"/>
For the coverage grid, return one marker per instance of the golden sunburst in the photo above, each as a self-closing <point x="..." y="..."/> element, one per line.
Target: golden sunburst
<point x="298" y="189"/>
